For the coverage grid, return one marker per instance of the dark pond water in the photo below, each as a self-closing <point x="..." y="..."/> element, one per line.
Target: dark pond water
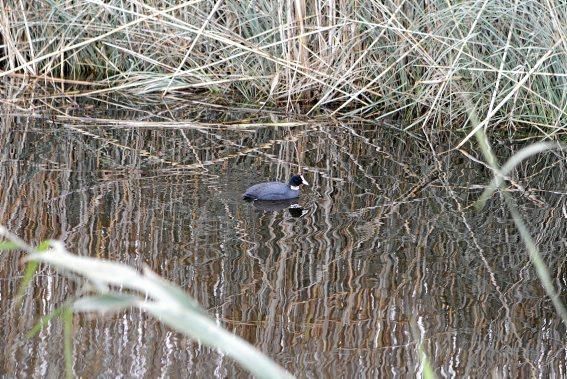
<point x="385" y="256"/>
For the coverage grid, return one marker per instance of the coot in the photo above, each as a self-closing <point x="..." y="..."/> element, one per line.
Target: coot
<point x="276" y="190"/>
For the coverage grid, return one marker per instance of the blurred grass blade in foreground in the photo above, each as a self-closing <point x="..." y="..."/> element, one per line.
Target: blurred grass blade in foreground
<point x="160" y="298"/>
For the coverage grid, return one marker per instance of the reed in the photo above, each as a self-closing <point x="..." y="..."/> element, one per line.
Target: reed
<point x="108" y="287"/>
<point x="413" y="58"/>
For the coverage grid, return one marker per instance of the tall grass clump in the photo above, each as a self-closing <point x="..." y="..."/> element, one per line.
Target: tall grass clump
<point x="500" y="173"/>
<point x="108" y="287"/>
<point x="413" y="58"/>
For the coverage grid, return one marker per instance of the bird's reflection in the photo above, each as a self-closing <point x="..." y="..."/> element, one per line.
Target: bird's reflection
<point x="294" y="209"/>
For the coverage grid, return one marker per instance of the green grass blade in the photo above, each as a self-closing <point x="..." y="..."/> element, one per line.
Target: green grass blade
<point x="207" y="332"/>
<point x="171" y="305"/>
<point x="44" y="321"/>
<point x="175" y="294"/>
<point x="29" y="273"/>
<point x="68" y="341"/>
<point x="515" y="160"/>
<point x="537" y="261"/>
<point x="533" y="251"/>
<point x="427" y="372"/>
<point x="8" y="245"/>
<point x="106" y="303"/>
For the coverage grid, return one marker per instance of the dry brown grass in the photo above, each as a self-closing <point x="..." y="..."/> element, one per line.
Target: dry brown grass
<point x="367" y="59"/>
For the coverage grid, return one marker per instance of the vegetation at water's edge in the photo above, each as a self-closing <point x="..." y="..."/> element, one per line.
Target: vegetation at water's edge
<point x="372" y="58"/>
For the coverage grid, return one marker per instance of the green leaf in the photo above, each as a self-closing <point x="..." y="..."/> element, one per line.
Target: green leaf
<point x="96" y="270"/>
<point x="43" y="246"/>
<point x="172" y="305"/>
<point x="68" y="341"/>
<point x="100" y="272"/>
<point x="514" y="160"/>
<point x="31" y="268"/>
<point x="44" y="321"/>
<point x="428" y="372"/>
<point x="206" y="331"/>
<point x="110" y="302"/>
<point x="8" y="245"/>
<point x="174" y="293"/>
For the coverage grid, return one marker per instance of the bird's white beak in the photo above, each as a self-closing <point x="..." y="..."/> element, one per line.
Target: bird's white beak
<point x="305" y="182"/>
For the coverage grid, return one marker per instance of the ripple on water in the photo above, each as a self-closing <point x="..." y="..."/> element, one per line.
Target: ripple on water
<point x="379" y="262"/>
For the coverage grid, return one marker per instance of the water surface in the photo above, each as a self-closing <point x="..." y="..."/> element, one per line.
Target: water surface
<point x="386" y="256"/>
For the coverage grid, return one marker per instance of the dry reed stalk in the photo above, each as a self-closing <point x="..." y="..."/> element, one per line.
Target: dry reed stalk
<point x="409" y="58"/>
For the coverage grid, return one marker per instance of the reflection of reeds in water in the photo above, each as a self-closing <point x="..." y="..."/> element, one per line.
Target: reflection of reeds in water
<point x="333" y="293"/>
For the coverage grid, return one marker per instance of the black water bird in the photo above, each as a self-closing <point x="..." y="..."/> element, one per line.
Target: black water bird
<point x="276" y="190"/>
